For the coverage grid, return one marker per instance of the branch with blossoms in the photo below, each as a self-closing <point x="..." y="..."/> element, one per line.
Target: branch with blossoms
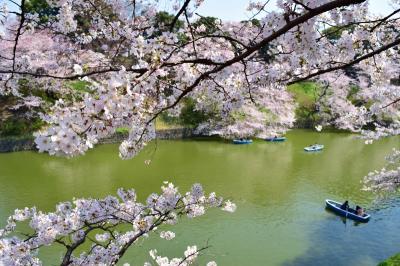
<point x="103" y="223"/>
<point x="388" y="178"/>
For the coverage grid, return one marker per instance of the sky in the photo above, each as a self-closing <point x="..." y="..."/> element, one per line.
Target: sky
<point x="236" y="9"/>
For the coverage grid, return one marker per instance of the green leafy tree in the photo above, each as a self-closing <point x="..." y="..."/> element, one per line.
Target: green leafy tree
<point x="42" y="8"/>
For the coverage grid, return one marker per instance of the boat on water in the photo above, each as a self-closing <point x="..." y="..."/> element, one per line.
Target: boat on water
<point x="276" y="139"/>
<point x="349" y="213"/>
<point x="242" y="141"/>
<point x="315" y="147"/>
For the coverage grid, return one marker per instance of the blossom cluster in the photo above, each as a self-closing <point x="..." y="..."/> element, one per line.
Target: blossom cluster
<point x="100" y="221"/>
<point x="388" y="178"/>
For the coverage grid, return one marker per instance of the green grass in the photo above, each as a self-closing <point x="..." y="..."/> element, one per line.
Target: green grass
<point x="162" y="124"/>
<point x="122" y="130"/>
<point x="392" y="261"/>
<point x="305" y="93"/>
<point x="82" y="86"/>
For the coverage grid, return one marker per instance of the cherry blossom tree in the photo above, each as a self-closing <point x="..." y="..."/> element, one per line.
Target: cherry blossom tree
<point x="136" y="68"/>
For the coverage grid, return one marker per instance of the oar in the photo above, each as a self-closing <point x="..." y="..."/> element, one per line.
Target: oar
<point x="345" y="220"/>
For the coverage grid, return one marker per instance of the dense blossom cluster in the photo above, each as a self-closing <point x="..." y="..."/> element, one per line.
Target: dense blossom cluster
<point x="386" y="179"/>
<point x="190" y="256"/>
<point x="112" y="224"/>
<point x="134" y="67"/>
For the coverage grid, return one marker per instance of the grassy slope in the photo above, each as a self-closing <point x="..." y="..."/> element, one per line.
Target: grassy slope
<point x="392" y="261"/>
<point x="160" y="125"/>
<point x="305" y="93"/>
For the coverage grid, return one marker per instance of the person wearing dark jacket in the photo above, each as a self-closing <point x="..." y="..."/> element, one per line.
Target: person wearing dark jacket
<point x="345" y="205"/>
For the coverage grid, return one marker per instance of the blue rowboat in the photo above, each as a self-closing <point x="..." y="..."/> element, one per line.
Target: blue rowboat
<point x="242" y="141"/>
<point x="273" y="139"/>
<point x="315" y="147"/>
<point x="349" y="213"/>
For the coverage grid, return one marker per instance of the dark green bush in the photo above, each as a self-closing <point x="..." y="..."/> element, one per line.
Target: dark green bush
<point x="19" y="126"/>
<point x="191" y="117"/>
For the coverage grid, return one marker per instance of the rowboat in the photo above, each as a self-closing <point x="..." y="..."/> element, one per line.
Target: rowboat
<point x="273" y="139"/>
<point x="315" y="147"/>
<point x="242" y="141"/>
<point x="349" y="213"/>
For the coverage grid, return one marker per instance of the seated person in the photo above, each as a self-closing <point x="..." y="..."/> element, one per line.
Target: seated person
<point x="345" y="205"/>
<point x="359" y="211"/>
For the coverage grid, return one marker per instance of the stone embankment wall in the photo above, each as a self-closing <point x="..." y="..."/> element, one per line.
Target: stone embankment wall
<point x="11" y="145"/>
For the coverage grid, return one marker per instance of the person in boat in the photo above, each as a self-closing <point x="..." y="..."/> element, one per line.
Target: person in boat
<point x="359" y="211"/>
<point x="345" y="205"/>
<point x="275" y="137"/>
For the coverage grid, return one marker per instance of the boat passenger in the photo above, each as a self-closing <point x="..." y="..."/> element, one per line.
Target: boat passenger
<point x="359" y="211"/>
<point x="345" y="205"/>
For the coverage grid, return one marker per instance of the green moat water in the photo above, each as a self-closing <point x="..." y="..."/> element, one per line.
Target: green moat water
<point x="279" y="190"/>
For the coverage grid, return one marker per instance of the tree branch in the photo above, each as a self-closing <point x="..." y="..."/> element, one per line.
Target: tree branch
<point x="183" y="8"/>
<point x="359" y="59"/>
